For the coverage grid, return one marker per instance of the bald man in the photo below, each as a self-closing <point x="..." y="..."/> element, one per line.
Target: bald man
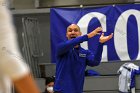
<point x="72" y="59"/>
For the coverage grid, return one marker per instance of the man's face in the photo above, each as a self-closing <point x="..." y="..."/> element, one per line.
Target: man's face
<point x="73" y="31"/>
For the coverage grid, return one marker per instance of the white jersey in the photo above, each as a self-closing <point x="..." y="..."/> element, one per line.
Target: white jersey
<point x="5" y="84"/>
<point x="12" y="66"/>
<point x="125" y="78"/>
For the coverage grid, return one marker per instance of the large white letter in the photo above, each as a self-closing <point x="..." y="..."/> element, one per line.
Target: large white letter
<point x="83" y="24"/>
<point x="120" y="34"/>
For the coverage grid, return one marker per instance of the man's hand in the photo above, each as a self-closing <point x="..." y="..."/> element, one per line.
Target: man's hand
<point x="94" y="32"/>
<point x="103" y="38"/>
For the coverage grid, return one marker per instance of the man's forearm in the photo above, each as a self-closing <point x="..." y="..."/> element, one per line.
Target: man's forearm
<point x="94" y="32"/>
<point x="26" y="84"/>
<point x="98" y="54"/>
<point x="66" y="46"/>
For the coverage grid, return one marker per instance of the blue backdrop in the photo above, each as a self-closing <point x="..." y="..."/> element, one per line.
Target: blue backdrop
<point x="122" y="20"/>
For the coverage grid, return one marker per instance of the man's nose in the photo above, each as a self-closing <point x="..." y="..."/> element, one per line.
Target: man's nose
<point x="73" y="32"/>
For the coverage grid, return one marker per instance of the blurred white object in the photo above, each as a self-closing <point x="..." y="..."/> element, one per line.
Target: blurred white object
<point x="125" y="77"/>
<point x="12" y="66"/>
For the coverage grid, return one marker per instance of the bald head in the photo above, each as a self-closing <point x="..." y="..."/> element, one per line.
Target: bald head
<point x="73" y="31"/>
<point x="73" y="26"/>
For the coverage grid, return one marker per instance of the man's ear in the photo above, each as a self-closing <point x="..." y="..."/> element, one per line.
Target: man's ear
<point x="66" y="35"/>
<point x="80" y="33"/>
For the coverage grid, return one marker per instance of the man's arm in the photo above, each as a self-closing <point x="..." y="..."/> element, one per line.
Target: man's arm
<point x="66" y="46"/>
<point x="95" y="59"/>
<point x="94" y="32"/>
<point x="26" y="84"/>
<point x="18" y="72"/>
<point x="69" y="44"/>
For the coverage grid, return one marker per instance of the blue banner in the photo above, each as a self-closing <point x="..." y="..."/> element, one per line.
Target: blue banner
<point x="122" y="20"/>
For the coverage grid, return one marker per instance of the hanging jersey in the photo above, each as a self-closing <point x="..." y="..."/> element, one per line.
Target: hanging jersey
<point x="127" y="74"/>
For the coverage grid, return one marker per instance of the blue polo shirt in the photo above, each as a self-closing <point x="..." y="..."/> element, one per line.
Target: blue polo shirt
<point x="71" y="64"/>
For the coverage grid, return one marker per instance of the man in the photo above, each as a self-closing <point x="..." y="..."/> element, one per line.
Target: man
<point x="12" y="67"/>
<point x="72" y="59"/>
